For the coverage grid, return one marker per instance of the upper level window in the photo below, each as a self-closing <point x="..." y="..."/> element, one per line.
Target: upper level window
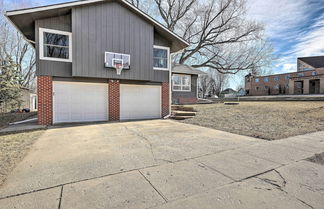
<point x="55" y="45"/>
<point x="300" y="74"/>
<point x="276" y="78"/>
<point x="314" y="73"/>
<point x="307" y="68"/>
<point x="257" y="80"/>
<point x="181" y="82"/>
<point x="161" y="58"/>
<point x="266" y="79"/>
<point x="288" y="77"/>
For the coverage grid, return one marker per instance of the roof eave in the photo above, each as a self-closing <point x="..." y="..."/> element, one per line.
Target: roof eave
<point x="181" y="42"/>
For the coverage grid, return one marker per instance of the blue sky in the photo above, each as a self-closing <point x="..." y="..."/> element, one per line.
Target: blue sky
<point x="294" y="27"/>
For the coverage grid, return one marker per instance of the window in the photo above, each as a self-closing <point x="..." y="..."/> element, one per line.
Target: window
<point x="161" y="58"/>
<point x="257" y="88"/>
<point x="314" y="73"/>
<point x="300" y="74"/>
<point x="266" y="87"/>
<point x="266" y="79"/>
<point x="276" y="78"/>
<point x="287" y="77"/>
<point x="307" y="68"/>
<point x="181" y="82"/>
<point x="257" y="80"/>
<point x="276" y="86"/>
<point x="55" y="45"/>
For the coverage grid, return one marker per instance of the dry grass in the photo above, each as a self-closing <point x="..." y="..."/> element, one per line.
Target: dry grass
<point x="13" y="148"/>
<point x="266" y="120"/>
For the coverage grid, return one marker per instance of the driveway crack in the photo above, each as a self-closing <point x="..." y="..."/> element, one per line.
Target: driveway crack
<point x="145" y="139"/>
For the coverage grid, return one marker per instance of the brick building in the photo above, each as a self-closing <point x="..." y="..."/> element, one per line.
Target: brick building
<point x="309" y="79"/>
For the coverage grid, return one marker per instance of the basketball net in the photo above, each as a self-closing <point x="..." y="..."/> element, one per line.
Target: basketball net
<point x="119" y="68"/>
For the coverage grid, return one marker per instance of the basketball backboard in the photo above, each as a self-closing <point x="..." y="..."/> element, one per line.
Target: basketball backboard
<point x="112" y="59"/>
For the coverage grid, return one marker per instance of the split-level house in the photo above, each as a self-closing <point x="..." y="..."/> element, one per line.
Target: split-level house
<point x="98" y="60"/>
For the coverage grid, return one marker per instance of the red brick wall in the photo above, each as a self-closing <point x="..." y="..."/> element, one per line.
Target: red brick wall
<point x="113" y="99"/>
<point x="187" y="100"/>
<point x="45" y="100"/>
<point x="165" y="99"/>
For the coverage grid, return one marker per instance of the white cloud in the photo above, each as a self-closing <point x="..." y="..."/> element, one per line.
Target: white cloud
<point x="279" y="16"/>
<point x="312" y="42"/>
<point x="289" y="67"/>
<point x="284" y="22"/>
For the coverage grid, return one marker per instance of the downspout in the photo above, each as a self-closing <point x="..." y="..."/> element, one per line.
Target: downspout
<point x="170" y="92"/>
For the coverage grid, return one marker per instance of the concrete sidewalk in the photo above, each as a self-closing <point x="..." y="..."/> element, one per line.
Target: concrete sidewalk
<point x="165" y="164"/>
<point x="22" y="126"/>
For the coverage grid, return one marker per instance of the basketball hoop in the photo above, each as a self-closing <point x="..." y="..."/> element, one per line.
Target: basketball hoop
<point x="119" y="68"/>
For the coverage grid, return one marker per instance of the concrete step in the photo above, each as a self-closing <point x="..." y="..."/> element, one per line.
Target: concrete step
<point x="181" y="117"/>
<point x="183" y="108"/>
<point x="183" y="113"/>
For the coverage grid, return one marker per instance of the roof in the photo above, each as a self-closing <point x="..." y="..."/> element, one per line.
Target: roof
<point x="186" y="69"/>
<point x="229" y="90"/>
<point x="316" y="61"/>
<point x="23" y="19"/>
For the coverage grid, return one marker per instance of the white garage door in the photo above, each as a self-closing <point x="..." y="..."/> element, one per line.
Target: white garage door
<point x="80" y="102"/>
<point x="140" y="102"/>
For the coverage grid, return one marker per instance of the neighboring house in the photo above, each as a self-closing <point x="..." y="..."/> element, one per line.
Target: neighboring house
<point x="81" y="46"/>
<point x="240" y="92"/>
<point x="29" y="99"/>
<point x="228" y="93"/>
<point x="309" y="79"/>
<point x="185" y="84"/>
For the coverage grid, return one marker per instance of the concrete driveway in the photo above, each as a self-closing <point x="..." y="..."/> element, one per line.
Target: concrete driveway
<point x="165" y="164"/>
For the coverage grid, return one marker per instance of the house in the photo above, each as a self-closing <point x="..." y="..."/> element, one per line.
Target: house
<point x="308" y="79"/>
<point x="240" y="92"/>
<point x="29" y="99"/>
<point x="98" y="60"/>
<point x="185" y="84"/>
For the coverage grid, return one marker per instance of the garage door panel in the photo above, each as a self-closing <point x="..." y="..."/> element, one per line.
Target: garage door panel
<point x="80" y="102"/>
<point x="140" y="102"/>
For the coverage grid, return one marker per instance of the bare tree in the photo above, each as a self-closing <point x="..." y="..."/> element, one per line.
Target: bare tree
<point x="204" y="83"/>
<point x="221" y="37"/>
<point x="13" y="46"/>
<point x="172" y="11"/>
<point x="220" y="81"/>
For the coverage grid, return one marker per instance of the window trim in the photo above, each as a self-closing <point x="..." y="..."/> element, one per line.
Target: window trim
<point x="181" y="75"/>
<point x="168" y="57"/>
<point x="41" y="44"/>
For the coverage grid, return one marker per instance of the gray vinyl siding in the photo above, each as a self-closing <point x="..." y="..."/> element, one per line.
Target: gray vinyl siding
<point x="52" y="68"/>
<point x="191" y="94"/>
<point x="111" y="27"/>
<point x="96" y="28"/>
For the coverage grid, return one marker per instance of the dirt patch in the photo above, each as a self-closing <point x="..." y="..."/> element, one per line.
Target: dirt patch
<point x="12" y="150"/>
<point x="317" y="158"/>
<point x="266" y="120"/>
